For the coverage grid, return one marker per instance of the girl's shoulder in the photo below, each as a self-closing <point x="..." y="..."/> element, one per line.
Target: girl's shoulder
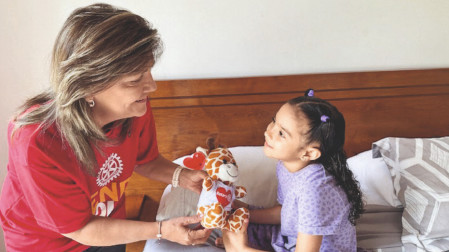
<point x="314" y="175"/>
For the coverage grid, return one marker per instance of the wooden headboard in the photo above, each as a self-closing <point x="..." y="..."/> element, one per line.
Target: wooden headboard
<point x="375" y="105"/>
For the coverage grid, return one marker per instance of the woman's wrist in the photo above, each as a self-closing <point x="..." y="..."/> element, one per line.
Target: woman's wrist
<point x="159" y="231"/>
<point x="177" y="176"/>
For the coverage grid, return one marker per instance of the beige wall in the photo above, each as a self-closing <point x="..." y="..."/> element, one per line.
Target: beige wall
<point x="205" y="39"/>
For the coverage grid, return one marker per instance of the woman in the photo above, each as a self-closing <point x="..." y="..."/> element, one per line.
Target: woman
<point x="73" y="148"/>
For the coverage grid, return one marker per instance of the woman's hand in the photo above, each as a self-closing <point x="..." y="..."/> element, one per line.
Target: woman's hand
<point x="177" y="230"/>
<point x="236" y="241"/>
<point x="192" y="179"/>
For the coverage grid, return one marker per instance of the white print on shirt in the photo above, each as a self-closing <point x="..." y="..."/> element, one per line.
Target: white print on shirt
<point x="104" y="208"/>
<point x="112" y="168"/>
<point x="103" y="200"/>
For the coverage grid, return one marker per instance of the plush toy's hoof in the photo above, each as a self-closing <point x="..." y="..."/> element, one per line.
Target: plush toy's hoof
<point x="214" y="216"/>
<point x="235" y="220"/>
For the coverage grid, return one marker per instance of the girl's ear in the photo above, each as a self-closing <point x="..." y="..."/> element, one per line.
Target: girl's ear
<point x="311" y="153"/>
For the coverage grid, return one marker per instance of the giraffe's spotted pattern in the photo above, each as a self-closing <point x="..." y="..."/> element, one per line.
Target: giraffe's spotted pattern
<point x="214" y="215"/>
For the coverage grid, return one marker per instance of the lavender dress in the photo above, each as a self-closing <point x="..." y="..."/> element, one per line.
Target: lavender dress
<point x="311" y="203"/>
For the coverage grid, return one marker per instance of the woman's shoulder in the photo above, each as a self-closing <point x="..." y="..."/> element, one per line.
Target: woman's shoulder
<point x="33" y="135"/>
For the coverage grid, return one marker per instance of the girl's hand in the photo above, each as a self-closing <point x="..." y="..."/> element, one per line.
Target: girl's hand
<point x="177" y="230"/>
<point x="235" y="241"/>
<point x="192" y="179"/>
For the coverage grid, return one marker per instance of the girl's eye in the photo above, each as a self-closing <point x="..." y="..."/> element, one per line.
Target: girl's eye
<point x="281" y="134"/>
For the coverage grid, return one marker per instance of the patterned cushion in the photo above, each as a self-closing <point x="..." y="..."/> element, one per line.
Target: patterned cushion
<point x="420" y="171"/>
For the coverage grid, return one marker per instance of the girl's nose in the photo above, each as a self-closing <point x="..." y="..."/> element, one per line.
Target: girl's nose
<point x="267" y="132"/>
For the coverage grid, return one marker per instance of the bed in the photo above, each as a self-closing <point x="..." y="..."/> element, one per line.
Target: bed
<point x="388" y="113"/>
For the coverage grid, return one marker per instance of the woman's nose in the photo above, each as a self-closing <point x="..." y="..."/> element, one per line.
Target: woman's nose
<point x="150" y="84"/>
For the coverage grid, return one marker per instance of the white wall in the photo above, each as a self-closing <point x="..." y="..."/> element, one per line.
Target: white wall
<point x="207" y="38"/>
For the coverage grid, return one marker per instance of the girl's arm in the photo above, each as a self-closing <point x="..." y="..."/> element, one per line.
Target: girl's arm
<point x="102" y="231"/>
<point x="237" y="241"/>
<point x="266" y="216"/>
<point x="308" y="243"/>
<point x="270" y="215"/>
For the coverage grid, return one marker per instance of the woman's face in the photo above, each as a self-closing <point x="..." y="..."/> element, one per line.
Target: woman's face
<point x="284" y="136"/>
<point x="125" y="98"/>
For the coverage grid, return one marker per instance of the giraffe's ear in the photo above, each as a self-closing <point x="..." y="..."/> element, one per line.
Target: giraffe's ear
<point x="210" y="142"/>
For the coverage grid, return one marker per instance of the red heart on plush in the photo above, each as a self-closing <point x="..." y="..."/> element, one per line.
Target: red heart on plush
<point x="223" y="196"/>
<point x="196" y="162"/>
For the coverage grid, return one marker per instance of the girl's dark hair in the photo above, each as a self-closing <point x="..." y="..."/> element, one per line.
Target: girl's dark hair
<point x="329" y="133"/>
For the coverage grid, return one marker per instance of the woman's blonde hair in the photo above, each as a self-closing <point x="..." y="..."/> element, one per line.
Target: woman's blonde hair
<point x="97" y="45"/>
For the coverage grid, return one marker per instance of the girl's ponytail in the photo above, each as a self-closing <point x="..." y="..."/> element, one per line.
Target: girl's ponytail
<point x="336" y="166"/>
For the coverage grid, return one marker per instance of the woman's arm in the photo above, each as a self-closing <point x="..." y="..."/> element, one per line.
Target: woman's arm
<point x="159" y="169"/>
<point x="162" y="170"/>
<point x="308" y="243"/>
<point x="101" y="231"/>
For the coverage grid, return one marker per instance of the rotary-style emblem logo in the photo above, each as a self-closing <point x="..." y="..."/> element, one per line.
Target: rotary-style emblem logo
<point x="112" y="168"/>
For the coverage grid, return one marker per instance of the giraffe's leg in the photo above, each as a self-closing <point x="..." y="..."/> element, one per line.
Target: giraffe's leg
<point x="201" y="210"/>
<point x="213" y="216"/>
<point x="235" y="220"/>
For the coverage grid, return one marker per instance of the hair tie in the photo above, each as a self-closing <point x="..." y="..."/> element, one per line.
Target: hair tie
<point x="324" y="118"/>
<point x="309" y="93"/>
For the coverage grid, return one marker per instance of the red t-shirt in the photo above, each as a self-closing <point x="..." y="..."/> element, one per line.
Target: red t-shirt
<point x="46" y="193"/>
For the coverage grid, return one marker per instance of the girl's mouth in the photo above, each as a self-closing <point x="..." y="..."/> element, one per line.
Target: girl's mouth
<point x="267" y="145"/>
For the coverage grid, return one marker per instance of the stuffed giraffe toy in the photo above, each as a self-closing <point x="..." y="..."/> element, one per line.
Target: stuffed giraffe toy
<point x="219" y="191"/>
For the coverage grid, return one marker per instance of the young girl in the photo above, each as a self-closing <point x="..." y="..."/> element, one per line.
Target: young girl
<point x="319" y="199"/>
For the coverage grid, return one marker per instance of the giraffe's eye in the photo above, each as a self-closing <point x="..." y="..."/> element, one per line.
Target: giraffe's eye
<point x="225" y="161"/>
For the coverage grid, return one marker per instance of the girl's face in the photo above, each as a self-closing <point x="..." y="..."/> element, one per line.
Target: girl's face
<point x="125" y="98"/>
<point x="285" y="135"/>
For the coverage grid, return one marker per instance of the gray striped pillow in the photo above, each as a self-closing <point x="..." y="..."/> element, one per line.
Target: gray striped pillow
<point x="420" y="171"/>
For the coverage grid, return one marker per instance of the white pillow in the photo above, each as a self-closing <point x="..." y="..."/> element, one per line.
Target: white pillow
<point x="374" y="178"/>
<point x="257" y="173"/>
